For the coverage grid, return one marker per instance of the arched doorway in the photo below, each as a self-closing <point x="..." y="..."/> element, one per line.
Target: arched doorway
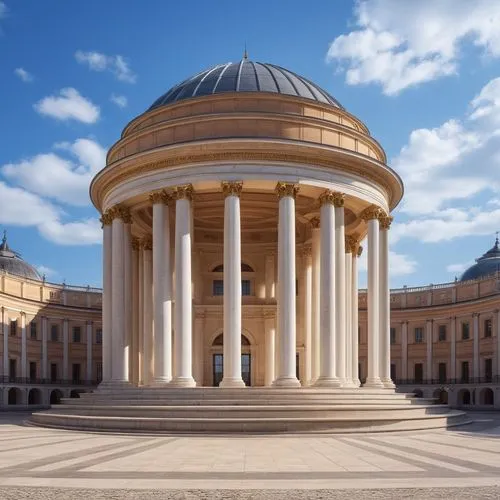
<point x="35" y="397"/>
<point x="463" y="397"/>
<point x="55" y="397"/>
<point x="218" y="360"/>
<point x="487" y="397"/>
<point x="441" y="395"/>
<point x="14" y="396"/>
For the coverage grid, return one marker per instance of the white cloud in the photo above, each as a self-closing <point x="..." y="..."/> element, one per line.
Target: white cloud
<point x="23" y="75"/>
<point x="119" y="100"/>
<point x="68" y="105"/>
<point x="459" y="268"/>
<point x="64" y="180"/>
<point x="48" y="272"/>
<point x="19" y="207"/>
<point x="398" y="44"/>
<point x="399" y="264"/>
<point x="97" y="61"/>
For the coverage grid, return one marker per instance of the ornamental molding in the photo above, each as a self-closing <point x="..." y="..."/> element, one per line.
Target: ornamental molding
<point x="232" y="188"/>
<point x="106" y="218"/>
<point x="136" y="244"/>
<point x="351" y="244"/>
<point x="315" y="222"/>
<point x="147" y="243"/>
<point x="334" y="198"/>
<point x="184" y="192"/>
<point x="120" y="212"/>
<point x="373" y="212"/>
<point x="284" y="189"/>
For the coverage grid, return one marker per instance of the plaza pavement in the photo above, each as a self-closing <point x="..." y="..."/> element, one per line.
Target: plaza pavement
<point x="462" y="462"/>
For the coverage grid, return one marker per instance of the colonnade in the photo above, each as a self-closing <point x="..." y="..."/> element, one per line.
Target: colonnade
<point x="138" y="296"/>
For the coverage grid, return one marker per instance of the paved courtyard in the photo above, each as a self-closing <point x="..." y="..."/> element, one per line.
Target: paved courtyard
<point x="43" y="463"/>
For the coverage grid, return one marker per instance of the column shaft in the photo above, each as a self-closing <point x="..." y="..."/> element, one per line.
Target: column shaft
<point x="134" y="341"/>
<point x="183" y="296"/>
<point x="162" y="290"/>
<point x="147" y="315"/>
<point x="348" y="317"/>
<point x="127" y="277"/>
<point x="270" y="332"/>
<point x="140" y="319"/>
<point x="327" y="376"/>
<point x="373" y="379"/>
<point x="339" y="294"/>
<point x="355" y="322"/>
<point x="199" y="349"/>
<point x="232" y="286"/>
<point x="315" y="250"/>
<point x="286" y="287"/>
<point x="107" y="349"/>
<point x="307" y="316"/>
<point x="385" y="305"/>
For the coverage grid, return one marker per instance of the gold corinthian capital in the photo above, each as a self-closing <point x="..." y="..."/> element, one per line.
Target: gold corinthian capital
<point x="184" y="192"/>
<point x="283" y="189"/>
<point x="373" y="212"/>
<point x="385" y="222"/>
<point x="160" y="197"/>
<point x="232" y="188"/>
<point x="334" y="198"/>
<point x="106" y="218"/>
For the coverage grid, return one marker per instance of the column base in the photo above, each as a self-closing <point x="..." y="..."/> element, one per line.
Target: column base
<point x="327" y="382"/>
<point x="349" y="384"/>
<point x="111" y="385"/>
<point x="356" y="382"/>
<point x="182" y="382"/>
<point x="161" y="381"/>
<point x="228" y="382"/>
<point x="286" y="382"/>
<point x="373" y="383"/>
<point x="388" y="383"/>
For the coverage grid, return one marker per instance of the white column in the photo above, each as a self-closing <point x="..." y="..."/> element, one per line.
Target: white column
<point x="428" y="335"/>
<point x="355" y="323"/>
<point x="140" y="319"/>
<point x="286" y="286"/>
<point x="127" y="277"/>
<point x="307" y="315"/>
<point x="107" y="348"/>
<point x="315" y="327"/>
<point x="453" y="349"/>
<point x="385" y="305"/>
<point x="232" y="285"/>
<point x="404" y="350"/>
<point x="270" y="333"/>
<point x="147" y="313"/>
<point x="475" y="364"/>
<point x="348" y="308"/>
<point x="199" y="348"/>
<point x="65" y="368"/>
<point x="162" y="289"/>
<point x="5" y="330"/>
<point x="118" y="296"/>
<point x="372" y="214"/>
<point x="340" y="292"/>
<point x="24" y="367"/>
<point x="134" y="340"/>
<point x="183" y="297"/>
<point x="89" y="351"/>
<point x="328" y="304"/>
<point x="45" y="362"/>
<point x="270" y="277"/>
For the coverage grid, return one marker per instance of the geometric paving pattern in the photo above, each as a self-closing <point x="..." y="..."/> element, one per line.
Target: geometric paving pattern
<point x="467" y="456"/>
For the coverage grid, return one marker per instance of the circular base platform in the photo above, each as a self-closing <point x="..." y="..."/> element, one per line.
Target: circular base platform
<point x="247" y="410"/>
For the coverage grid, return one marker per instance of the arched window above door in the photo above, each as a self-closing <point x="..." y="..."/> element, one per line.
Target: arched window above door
<point x="219" y="340"/>
<point x="245" y="268"/>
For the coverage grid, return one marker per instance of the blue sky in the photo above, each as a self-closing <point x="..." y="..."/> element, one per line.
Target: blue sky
<point x="422" y="76"/>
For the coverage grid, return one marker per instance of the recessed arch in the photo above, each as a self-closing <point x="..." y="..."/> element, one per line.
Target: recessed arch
<point x="14" y="396"/>
<point x="245" y="268"/>
<point x="35" y="397"/>
<point x="441" y="395"/>
<point x="55" y="397"/>
<point x="487" y="397"/>
<point x="463" y="397"/>
<point x="219" y="340"/>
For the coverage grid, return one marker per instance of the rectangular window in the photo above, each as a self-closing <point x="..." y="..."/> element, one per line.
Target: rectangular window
<point x="53" y="372"/>
<point x="465" y="372"/>
<point x="488" y="370"/>
<point x="32" y="370"/>
<point x="13" y="328"/>
<point x="98" y="336"/>
<point x="442" y="373"/>
<point x="392" y="333"/>
<point x="77" y="334"/>
<point x="54" y="333"/>
<point x="76" y="373"/>
<point x="419" y="372"/>
<point x="218" y="287"/>
<point x="33" y="329"/>
<point x="465" y="331"/>
<point x="245" y="287"/>
<point x="419" y="335"/>
<point x="488" y="327"/>
<point x="12" y="369"/>
<point x="99" y="372"/>
<point x="442" y="333"/>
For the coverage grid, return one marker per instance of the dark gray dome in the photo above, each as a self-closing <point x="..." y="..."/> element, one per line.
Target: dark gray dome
<point x="11" y="263"/>
<point x="486" y="265"/>
<point x="245" y="76"/>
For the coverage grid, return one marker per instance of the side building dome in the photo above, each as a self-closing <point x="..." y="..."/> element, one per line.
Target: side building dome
<point x="486" y="265"/>
<point x="11" y="262"/>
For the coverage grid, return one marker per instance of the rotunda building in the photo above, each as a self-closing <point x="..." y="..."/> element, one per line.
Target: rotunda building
<point x="220" y="205"/>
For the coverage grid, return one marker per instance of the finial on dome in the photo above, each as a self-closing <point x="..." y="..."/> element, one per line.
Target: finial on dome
<point x="245" y="54"/>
